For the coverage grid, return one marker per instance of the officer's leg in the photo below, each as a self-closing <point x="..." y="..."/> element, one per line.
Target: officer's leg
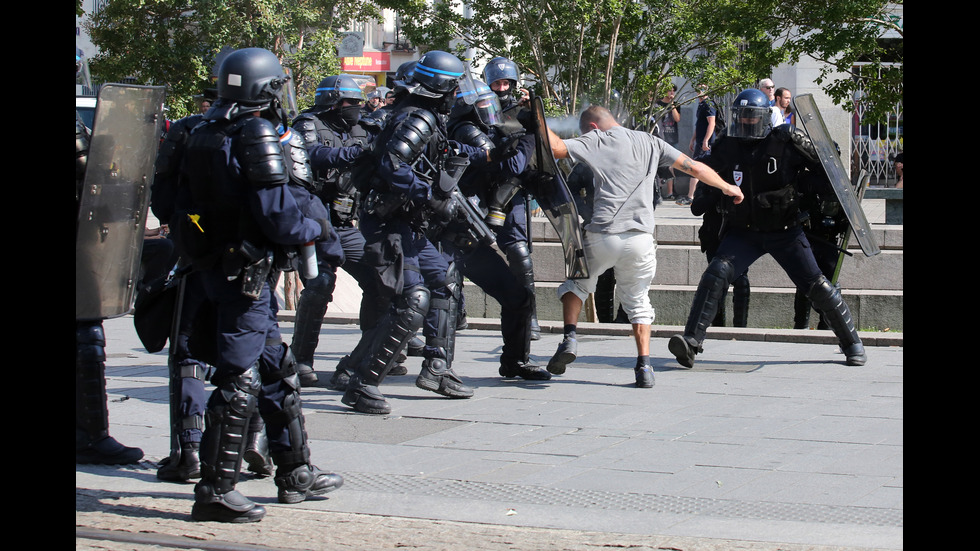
<point x="439" y="327"/>
<point x="488" y="271"/>
<point x="230" y="410"/>
<point x="437" y="373"/>
<point x="711" y="291"/>
<point x="795" y="255"/>
<point x="801" y="309"/>
<point x="281" y="408"/>
<point x="190" y="422"/>
<point x="92" y="441"/>
<point x="741" y="292"/>
<point x="828" y="301"/>
<point x="317" y="294"/>
<point x="382" y="345"/>
<point x="514" y="241"/>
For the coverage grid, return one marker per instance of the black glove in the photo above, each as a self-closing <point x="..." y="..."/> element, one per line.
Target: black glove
<point x="442" y="209"/>
<point x="505" y="151"/>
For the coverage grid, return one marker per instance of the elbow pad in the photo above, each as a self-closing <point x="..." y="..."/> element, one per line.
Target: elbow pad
<point x="262" y="159"/>
<point x="410" y="137"/>
<point x="799" y="139"/>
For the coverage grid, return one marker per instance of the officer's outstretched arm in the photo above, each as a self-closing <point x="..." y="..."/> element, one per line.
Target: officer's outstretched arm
<point x="707" y="175"/>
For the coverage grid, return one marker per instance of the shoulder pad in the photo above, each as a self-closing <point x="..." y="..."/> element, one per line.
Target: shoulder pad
<point x="470" y="134"/>
<point x="298" y="160"/>
<point x="168" y="158"/>
<point x="305" y="126"/>
<point x="799" y="139"/>
<point x="262" y="156"/>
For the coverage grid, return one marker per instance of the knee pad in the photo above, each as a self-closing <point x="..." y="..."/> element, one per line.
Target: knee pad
<point x="823" y="294"/>
<point x="414" y="299"/>
<point x="322" y="285"/>
<point x="519" y="260"/>
<point x="719" y="273"/>
<point x="239" y="393"/>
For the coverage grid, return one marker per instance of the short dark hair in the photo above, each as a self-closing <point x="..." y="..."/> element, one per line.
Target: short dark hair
<point x="779" y="92"/>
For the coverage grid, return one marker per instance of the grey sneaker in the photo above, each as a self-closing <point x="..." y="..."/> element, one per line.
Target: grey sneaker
<point x="644" y="376"/>
<point x="566" y="354"/>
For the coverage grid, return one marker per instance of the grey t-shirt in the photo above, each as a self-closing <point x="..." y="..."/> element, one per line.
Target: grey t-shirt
<point x="625" y="164"/>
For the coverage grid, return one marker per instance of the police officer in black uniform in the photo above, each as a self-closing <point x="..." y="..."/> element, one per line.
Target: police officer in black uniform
<point x="335" y="139"/>
<point x="92" y="441"/>
<point x="768" y="165"/>
<point x="234" y="220"/>
<point x="513" y="239"/>
<point x="472" y="122"/>
<point x="411" y="152"/>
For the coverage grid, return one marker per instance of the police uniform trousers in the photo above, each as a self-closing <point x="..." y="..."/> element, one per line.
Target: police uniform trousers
<point x="789" y="248"/>
<point x="423" y="266"/>
<point x="248" y="332"/>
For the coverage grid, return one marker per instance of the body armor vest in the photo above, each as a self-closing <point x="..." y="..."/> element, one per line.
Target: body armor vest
<point x="335" y="186"/>
<point x="213" y="222"/>
<point x="767" y="172"/>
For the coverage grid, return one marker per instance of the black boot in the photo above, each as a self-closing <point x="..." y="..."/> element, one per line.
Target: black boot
<point x="439" y="377"/>
<point x="257" y="448"/>
<point x="801" y="310"/>
<point x="828" y="301"/>
<point x="187" y="468"/>
<point x="302" y="481"/>
<point x="741" y="293"/>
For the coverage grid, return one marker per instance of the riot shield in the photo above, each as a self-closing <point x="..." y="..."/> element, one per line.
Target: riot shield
<point x="809" y="118"/>
<point x="556" y="200"/>
<point x="114" y="200"/>
<point x="860" y="186"/>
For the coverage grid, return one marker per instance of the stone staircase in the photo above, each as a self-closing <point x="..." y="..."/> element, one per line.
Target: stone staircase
<point x="872" y="287"/>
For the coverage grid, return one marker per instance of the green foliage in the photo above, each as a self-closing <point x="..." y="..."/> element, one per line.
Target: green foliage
<point x="175" y="42"/>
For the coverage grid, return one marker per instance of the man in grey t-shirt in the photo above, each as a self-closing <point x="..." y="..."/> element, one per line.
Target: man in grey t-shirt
<point x="620" y="235"/>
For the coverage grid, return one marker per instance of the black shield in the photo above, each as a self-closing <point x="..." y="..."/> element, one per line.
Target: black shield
<point x="556" y="200"/>
<point x="809" y="118"/>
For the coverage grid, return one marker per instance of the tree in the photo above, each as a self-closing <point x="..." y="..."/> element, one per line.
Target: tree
<point x="175" y="42"/>
<point x="578" y="51"/>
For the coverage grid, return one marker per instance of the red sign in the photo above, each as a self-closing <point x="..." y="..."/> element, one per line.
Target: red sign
<point x="374" y="62"/>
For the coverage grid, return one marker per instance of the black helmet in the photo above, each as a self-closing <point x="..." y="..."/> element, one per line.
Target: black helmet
<point x="750" y="115"/>
<point x="251" y="76"/>
<point x="437" y="73"/>
<point x="403" y="76"/>
<point x="335" y="88"/>
<point x="501" y="68"/>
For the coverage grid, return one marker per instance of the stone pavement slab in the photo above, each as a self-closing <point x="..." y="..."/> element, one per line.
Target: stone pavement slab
<point x="763" y="445"/>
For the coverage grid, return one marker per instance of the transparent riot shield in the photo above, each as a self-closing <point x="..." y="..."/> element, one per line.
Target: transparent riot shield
<point x="114" y="199"/>
<point x="808" y="117"/>
<point x="557" y="202"/>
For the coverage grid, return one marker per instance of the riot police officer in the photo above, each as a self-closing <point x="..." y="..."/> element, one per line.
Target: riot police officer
<point x="513" y="237"/>
<point x="234" y="220"/>
<point x="473" y="121"/>
<point x="411" y="153"/>
<point x="335" y="138"/>
<point x="709" y="202"/>
<point x="768" y="164"/>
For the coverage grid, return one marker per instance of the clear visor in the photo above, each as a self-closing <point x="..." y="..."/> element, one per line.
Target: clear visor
<point x="484" y="101"/>
<point x="750" y="122"/>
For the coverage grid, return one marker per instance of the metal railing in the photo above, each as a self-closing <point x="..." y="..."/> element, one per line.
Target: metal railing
<point x="874" y="144"/>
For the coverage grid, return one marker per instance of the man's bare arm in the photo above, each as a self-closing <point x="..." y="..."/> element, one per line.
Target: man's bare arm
<point x="706" y="174"/>
<point x="558" y="148"/>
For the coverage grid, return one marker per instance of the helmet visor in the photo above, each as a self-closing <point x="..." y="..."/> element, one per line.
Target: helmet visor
<point x="750" y="122"/>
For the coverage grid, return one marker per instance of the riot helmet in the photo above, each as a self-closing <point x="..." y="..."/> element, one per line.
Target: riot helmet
<point x="501" y="68"/>
<point x="750" y="115"/>
<point x="477" y="98"/>
<point x="437" y="74"/>
<point x="251" y="77"/>
<point x="335" y="88"/>
<point x="404" y="73"/>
